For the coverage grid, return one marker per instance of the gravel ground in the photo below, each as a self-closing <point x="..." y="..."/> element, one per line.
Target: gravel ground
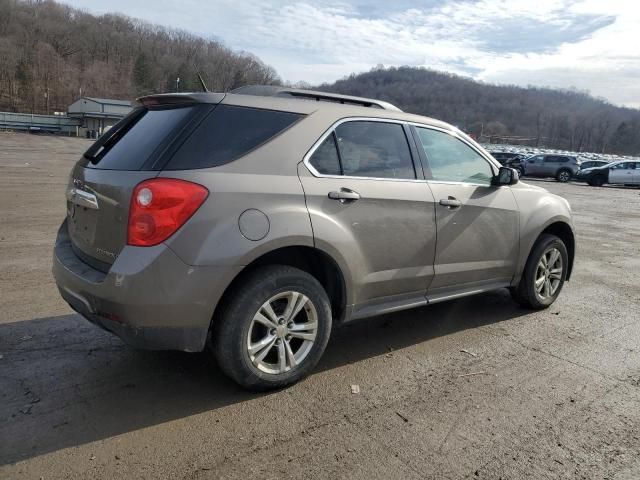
<point x="475" y="388"/>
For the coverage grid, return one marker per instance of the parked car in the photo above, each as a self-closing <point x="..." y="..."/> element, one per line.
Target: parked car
<point x="624" y="173"/>
<point x="505" y="157"/>
<point x="561" y="167"/>
<point x="592" y="164"/>
<point x="254" y="221"/>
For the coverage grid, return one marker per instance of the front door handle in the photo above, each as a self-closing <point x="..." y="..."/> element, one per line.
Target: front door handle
<point x="344" y="195"/>
<point x="451" y="202"/>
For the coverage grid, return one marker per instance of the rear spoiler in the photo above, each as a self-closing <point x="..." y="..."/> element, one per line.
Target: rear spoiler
<point x="180" y="98"/>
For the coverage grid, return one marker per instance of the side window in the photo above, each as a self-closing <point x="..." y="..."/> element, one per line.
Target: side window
<point x="452" y="160"/>
<point x="228" y="133"/>
<point x="550" y="159"/>
<point x="374" y="149"/>
<point x="325" y="159"/>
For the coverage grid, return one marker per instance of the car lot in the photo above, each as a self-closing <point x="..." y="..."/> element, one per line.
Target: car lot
<point x="476" y="388"/>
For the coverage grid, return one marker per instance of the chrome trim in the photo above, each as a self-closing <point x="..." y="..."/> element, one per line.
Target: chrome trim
<point x="336" y="124"/>
<point x="82" y="198"/>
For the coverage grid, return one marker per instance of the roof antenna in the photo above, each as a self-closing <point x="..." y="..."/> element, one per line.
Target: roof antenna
<point x="204" y="86"/>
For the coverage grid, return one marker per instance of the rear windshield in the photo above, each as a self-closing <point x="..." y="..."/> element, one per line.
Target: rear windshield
<point x="132" y="141"/>
<point x="227" y="133"/>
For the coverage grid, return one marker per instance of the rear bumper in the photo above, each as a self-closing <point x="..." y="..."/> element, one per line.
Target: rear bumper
<point x="149" y="298"/>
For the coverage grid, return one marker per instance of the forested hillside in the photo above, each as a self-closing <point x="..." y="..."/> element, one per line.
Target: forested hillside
<point x="535" y="116"/>
<point x="50" y="54"/>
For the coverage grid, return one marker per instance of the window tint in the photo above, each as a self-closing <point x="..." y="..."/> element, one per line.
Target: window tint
<point x="228" y="133"/>
<point x="452" y="160"/>
<point x="325" y="159"/>
<point x="132" y="141"/>
<point x="374" y="149"/>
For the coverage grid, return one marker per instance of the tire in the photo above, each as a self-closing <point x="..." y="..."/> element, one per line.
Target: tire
<point x="526" y="293"/>
<point x="597" y="181"/>
<point x="520" y="172"/>
<point x="563" y="175"/>
<point x="236" y="328"/>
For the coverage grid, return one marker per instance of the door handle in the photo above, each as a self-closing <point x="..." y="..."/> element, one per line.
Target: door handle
<point x="82" y="198"/>
<point x="451" y="202"/>
<point x="344" y="195"/>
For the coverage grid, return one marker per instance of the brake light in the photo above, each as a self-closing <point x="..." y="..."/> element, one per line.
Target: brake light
<point x="159" y="207"/>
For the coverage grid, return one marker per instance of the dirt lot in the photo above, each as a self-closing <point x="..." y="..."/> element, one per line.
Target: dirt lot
<point x="556" y="394"/>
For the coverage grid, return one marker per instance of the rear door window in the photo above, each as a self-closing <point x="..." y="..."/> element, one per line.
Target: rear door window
<point x="133" y="141"/>
<point x="325" y="159"/>
<point x="228" y="133"/>
<point x="374" y="150"/>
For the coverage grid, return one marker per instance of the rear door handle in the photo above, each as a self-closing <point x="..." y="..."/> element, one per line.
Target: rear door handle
<point x="450" y="202"/>
<point x="344" y="195"/>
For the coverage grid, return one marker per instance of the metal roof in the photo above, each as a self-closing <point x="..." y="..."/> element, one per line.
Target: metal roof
<point x="109" y="101"/>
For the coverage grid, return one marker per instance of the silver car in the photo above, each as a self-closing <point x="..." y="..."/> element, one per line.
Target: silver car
<point x="255" y="221"/>
<point x="561" y="167"/>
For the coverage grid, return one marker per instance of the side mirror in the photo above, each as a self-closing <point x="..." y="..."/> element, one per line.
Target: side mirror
<point x="506" y="176"/>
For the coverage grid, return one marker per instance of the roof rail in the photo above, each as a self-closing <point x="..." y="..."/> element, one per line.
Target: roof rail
<point x="275" y="91"/>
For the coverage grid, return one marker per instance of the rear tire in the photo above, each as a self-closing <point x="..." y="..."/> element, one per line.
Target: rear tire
<point x="274" y="328"/>
<point x="542" y="280"/>
<point x="563" y="175"/>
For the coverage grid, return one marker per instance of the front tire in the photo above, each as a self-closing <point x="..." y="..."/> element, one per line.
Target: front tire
<point x="274" y="328"/>
<point x="544" y="274"/>
<point x="597" y="181"/>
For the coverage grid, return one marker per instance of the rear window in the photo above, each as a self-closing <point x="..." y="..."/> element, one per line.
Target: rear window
<point x="132" y="141"/>
<point x="227" y="133"/>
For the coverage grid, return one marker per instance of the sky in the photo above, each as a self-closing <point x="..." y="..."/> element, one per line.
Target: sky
<point x="589" y="45"/>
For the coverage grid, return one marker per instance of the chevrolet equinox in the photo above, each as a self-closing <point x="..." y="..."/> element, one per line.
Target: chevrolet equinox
<point x="253" y="221"/>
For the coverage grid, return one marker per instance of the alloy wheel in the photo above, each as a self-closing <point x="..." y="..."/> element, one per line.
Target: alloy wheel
<point x="282" y="332"/>
<point x="548" y="274"/>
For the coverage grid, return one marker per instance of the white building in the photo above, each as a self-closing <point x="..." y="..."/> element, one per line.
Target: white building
<point x="98" y="114"/>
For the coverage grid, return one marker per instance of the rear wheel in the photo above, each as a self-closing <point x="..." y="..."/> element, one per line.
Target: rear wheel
<point x="274" y="329"/>
<point x="597" y="181"/>
<point x="520" y="172"/>
<point x="544" y="274"/>
<point x="563" y="175"/>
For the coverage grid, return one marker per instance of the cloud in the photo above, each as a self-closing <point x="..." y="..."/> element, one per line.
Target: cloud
<point x="560" y="43"/>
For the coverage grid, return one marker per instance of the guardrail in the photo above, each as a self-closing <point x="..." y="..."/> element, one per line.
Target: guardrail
<point x="33" y="122"/>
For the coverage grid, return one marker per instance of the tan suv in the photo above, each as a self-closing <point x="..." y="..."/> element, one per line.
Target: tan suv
<point x="254" y="221"/>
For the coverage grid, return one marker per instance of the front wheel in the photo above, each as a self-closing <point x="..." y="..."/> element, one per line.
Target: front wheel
<point x="544" y="274"/>
<point x="597" y="181"/>
<point x="274" y="328"/>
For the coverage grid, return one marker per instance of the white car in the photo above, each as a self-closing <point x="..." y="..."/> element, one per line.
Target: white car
<point x="625" y="172"/>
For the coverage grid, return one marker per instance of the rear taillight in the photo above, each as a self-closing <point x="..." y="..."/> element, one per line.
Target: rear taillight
<point x="161" y="206"/>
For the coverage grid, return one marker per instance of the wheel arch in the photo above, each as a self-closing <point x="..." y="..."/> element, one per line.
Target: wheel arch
<point x="564" y="232"/>
<point x="312" y="260"/>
